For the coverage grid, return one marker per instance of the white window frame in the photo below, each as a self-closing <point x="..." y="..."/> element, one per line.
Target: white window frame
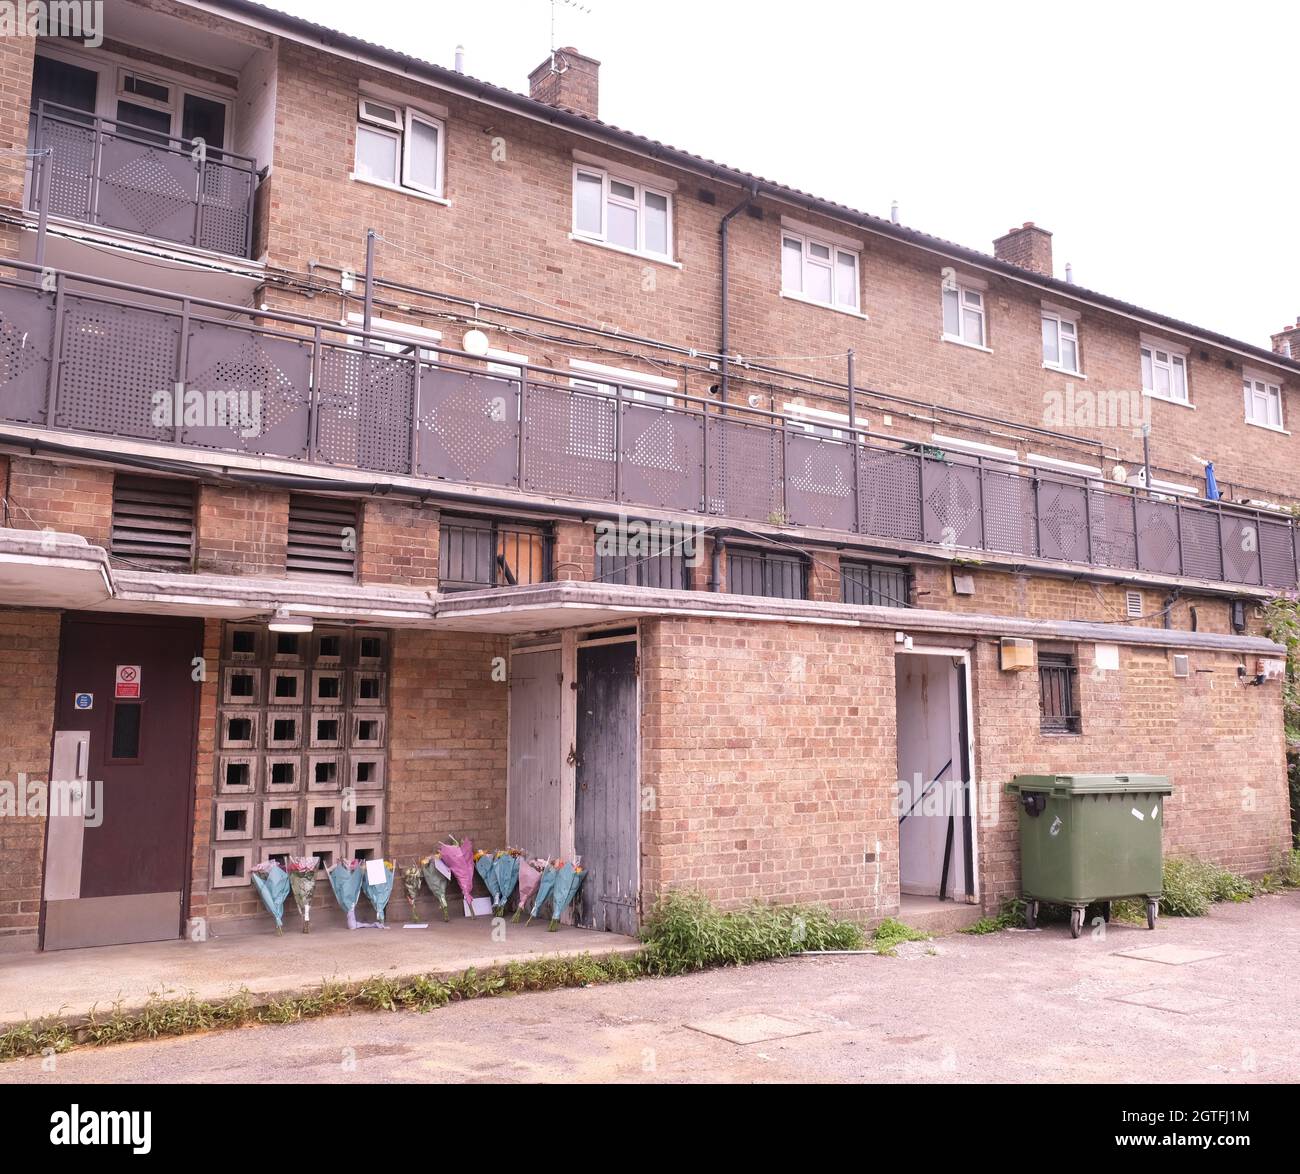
<point x="636" y="385"/>
<point x="420" y="337"/>
<point x="962" y="289"/>
<point x="1060" y="320"/>
<point x="399" y="130"/>
<point x="836" y="250"/>
<point x="1176" y="357"/>
<point x="638" y="203"/>
<point x="821" y="421"/>
<point x="1254" y="383"/>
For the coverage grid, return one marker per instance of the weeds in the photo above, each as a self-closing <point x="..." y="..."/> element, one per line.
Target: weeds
<point x="686" y="932"/>
<point x="887" y="935"/>
<point x="1010" y="916"/>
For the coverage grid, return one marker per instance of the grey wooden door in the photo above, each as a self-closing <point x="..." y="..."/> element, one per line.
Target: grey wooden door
<point x="533" y="797"/>
<point x="608" y="800"/>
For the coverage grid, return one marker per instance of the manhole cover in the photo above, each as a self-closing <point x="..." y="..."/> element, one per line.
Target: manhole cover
<point x="1170" y="955"/>
<point x="1172" y="999"/>
<point x="750" y="1029"/>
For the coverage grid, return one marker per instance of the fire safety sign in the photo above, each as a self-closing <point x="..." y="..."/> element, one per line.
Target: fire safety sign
<point x="127" y="681"/>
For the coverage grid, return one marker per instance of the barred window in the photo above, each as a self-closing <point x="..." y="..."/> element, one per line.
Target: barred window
<point x="481" y="552"/>
<point x="764" y="572"/>
<point x="875" y="584"/>
<point x="649" y="558"/>
<point x="1057" y="694"/>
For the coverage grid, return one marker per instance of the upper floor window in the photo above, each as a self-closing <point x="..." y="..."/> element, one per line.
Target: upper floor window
<point x="636" y="385"/>
<point x="399" y="146"/>
<point x="624" y="213"/>
<point x="819" y="271"/>
<point x="1164" y="372"/>
<point x="963" y="315"/>
<point x="1263" y="402"/>
<point x="1060" y="341"/>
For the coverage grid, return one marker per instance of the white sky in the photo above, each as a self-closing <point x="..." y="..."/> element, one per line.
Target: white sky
<point x="1151" y="138"/>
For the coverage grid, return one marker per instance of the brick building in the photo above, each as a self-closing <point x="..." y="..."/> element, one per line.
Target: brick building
<point x="426" y="455"/>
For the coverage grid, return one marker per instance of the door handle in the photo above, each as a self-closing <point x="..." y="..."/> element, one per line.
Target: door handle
<point x="80" y="769"/>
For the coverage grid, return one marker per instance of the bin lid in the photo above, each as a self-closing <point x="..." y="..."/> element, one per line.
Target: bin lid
<point x="1092" y="784"/>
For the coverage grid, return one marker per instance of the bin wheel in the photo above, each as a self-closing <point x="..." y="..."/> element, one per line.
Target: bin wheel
<point x="1105" y="912"/>
<point x="1031" y="915"/>
<point x="1153" y="907"/>
<point x="1076" y="922"/>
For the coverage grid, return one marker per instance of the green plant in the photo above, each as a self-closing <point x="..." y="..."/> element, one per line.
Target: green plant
<point x="1191" y="886"/>
<point x="891" y="931"/>
<point x="686" y="932"/>
<point x="1010" y="916"/>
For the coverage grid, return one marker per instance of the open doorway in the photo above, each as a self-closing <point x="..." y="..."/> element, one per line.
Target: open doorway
<point x="936" y="811"/>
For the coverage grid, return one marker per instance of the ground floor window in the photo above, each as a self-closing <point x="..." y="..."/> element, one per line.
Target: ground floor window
<point x="1058" y="703"/>
<point x="766" y="572"/>
<point x="875" y="584"/>
<point x="483" y="552"/>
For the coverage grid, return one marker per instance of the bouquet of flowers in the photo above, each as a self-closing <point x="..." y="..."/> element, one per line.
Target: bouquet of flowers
<point x="550" y="871"/>
<point x="272" y="884"/>
<point x="411" y="878"/>
<point x="345" y="880"/>
<point x="302" y="882"/>
<point x="436" y="881"/>
<point x="530" y="874"/>
<point x="459" y="857"/>
<point x="485" y="864"/>
<point x="378" y="894"/>
<point x="505" y="871"/>
<point x="568" y="880"/>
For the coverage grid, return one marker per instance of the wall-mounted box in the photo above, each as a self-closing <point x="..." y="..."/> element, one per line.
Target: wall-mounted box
<point x="1017" y="654"/>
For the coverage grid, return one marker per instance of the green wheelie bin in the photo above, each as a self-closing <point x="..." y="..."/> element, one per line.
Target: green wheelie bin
<point x="1086" y="838"/>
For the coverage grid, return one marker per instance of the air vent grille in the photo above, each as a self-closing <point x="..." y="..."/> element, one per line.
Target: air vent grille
<point x="153" y="521"/>
<point x="323" y="538"/>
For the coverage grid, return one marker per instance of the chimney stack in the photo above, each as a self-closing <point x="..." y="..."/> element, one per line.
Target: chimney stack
<point x="1287" y="341"/>
<point x="1028" y="246"/>
<point x="569" y="81"/>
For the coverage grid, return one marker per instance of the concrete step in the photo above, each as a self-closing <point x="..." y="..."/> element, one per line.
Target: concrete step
<point x="937" y="917"/>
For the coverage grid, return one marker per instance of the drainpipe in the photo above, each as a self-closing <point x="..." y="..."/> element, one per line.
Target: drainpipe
<point x="715" y="563"/>
<point x="726" y="315"/>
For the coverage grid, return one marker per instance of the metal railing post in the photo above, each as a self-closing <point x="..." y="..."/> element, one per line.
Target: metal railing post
<point x="853" y="441"/>
<point x="200" y="168"/>
<point x="1087" y="522"/>
<point x="56" y="355"/>
<point x="984" y="534"/>
<point x="182" y="364"/>
<point x="785" y="488"/>
<point x="96" y="165"/>
<point x="415" y="415"/>
<point x="618" y="442"/>
<point x="313" y="396"/>
<point x="920" y="485"/>
<point x="1178" y="523"/>
<point x="705" y="507"/>
<point x="520" y="443"/>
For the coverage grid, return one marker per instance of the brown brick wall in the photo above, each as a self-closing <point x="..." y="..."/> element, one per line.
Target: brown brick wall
<point x="29" y="649"/>
<point x="1219" y="740"/>
<point x="521" y="171"/>
<point x="399" y="543"/>
<point x="242" y="531"/>
<point x="769" y="751"/>
<point x="73" y="499"/>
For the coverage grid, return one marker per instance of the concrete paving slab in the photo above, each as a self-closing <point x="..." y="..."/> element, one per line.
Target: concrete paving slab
<point x="69" y="983"/>
<point x="1176" y="999"/>
<point x="751" y="1029"/>
<point x="1169" y="954"/>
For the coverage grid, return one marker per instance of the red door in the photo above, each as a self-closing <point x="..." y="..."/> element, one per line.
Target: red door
<point x="125" y="725"/>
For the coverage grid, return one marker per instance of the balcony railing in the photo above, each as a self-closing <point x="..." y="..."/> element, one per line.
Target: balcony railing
<point x="114" y="175"/>
<point x="92" y="356"/>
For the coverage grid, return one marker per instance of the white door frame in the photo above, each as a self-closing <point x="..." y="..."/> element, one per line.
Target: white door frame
<point x="962" y="655"/>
